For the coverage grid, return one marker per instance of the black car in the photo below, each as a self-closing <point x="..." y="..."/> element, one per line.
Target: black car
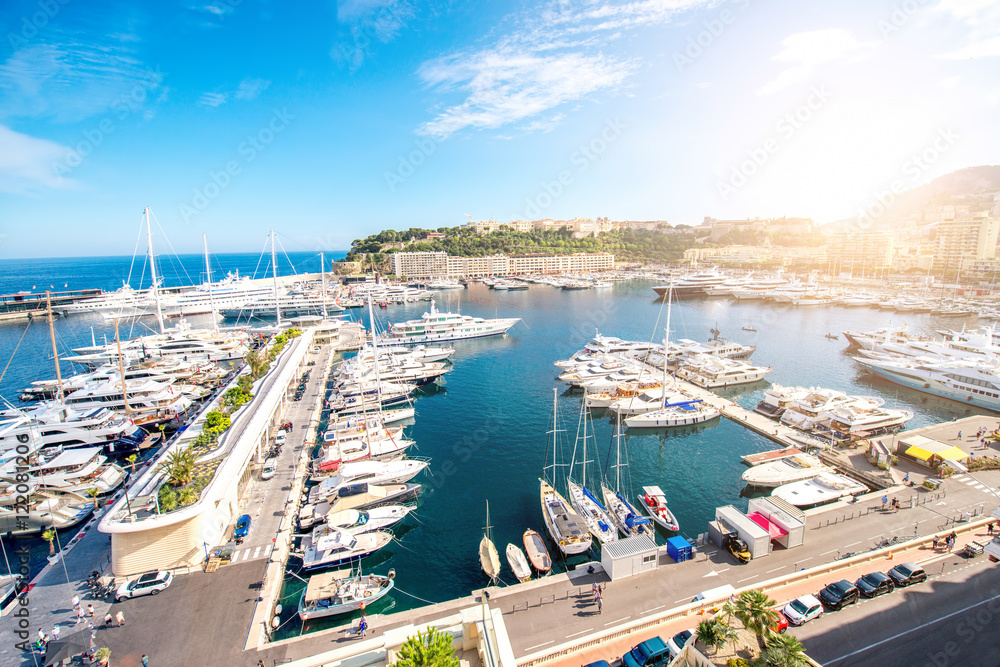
<point x="875" y="584"/>
<point x="838" y="595"/>
<point x="905" y="574"/>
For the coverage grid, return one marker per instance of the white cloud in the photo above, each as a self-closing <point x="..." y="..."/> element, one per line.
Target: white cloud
<point x="985" y="48"/>
<point x="367" y="23"/>
<point x="552" y="57"/>
<point x="26" y="163"/>
<point x="981" y="18"/>
<point x="248" y="89"/>
<point x="805" y="52"/>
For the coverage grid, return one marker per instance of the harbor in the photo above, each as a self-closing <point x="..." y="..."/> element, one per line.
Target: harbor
<point x="479" y="382"/>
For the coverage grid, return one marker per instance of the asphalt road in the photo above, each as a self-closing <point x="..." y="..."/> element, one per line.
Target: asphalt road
<point x="952" y="619"/>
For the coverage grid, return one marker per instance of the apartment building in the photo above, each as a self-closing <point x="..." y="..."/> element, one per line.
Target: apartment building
<point x="963" y="241"/>
<point x="873" y="250"/>
<point x="420" y="264"/>
<point x="438" y="264"/>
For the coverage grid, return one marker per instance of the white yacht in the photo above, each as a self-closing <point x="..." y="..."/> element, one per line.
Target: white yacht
<point x="861" y="417"/>
<point x="372" y="472"/>
<point x="366" y="521"/>
<point x="969" y="382"/>
<point x="165" y="369"/>
<point x="56" y="425"/>
<point x="682" y="413"/>
<point x="148" y="402"/>
<point x="121" y="299"/>
<point x="326" y="547"/>
<point x="341" y="592"/>
<point x="807" y="412"/>
<point x="334" y="454"/>
<point x="43" y="509"/>
<point x="692" y="284"/>
<point x="74" y="470"/>
<point x="785" y="471"/>
<point x="435" y="327"/>
<point x="710" y="371"/>
<point x="864" y="339"/>
<point x="181" y="342"/>
<point x="759" y="289"/>
<point x="777" y="399"/>
<point x="291" y="303"/>
<point x="820" y="490"/>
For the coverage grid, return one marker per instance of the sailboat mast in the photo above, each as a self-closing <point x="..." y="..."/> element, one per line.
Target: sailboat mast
<point x="274" y="276"/>
<point x="152" y="269"/>
<point x="55" y="350"/>
<point x="322" y="282"/>
<point x="208" y="279"/>
<point x="666" y="338"/>
<point x="121" y="370"/>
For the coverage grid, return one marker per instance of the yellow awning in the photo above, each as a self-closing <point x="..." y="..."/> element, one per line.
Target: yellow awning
<point x="918" y="453"/>
<point x="952" y="454"/>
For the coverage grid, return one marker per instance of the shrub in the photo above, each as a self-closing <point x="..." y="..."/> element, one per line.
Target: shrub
<point x="217" y="422"/>
<point x="737" y="662"/>
<point x="167" y="499"/>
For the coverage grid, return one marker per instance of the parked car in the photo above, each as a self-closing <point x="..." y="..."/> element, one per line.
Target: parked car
<point x="780" y="625"/>
<point x="678" y="642"/>
<point x="839" y="594"/>
<point x="905" y="574"/>
<point x="269" y="468"/>
<point x="599" y="663"/>
<point x="279" y="439"/>
<point x="803" y="609"/>
<point x="875" y="584"/>
<point x="737" y="548"/>
<point x="650" y="653"/>
<point x="242" y="527"/>
<point x="150" y="583"/>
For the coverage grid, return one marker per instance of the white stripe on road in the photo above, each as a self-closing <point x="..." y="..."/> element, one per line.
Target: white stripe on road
<point x="618" y="621"/>
<point x="256" y="552"/>
<point x="579" y="633"/>
<point x="246" y="554"/>
<point x="662" y="606"/>
<point x="748" y="578"/>
<point x="540" y="645"/>
<point x="776" y="569"/>
<point x="906" y="632"/>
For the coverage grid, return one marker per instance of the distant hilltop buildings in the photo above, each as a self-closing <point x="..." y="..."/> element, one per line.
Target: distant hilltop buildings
<point x="580" y="227"/>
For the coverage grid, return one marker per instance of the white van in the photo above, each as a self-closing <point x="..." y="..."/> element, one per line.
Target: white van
<point x="270" y="467"/>
<point x="715" y="593"/>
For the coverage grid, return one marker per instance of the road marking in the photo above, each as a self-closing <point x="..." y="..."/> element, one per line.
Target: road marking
<point x="906" y="632"/>
<point x="246" y="554"/>
<point x="725" y="569"/>
<point x="802" y="560"/>
<point x="256" y="552"/>
<point x="853" y="543"/>
<point x="540" y="645"/>
<point x="579" y="633"/>
<point x="662" y="606"/>
<point x="740" y="581"/>
<point x="618" y="621"/>
<point x="828" y="552"/>
<point x="776" y="569"/>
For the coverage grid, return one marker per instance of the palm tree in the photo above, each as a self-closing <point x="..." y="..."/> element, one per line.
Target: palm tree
<point x="132" y="458"/>
<point x="430" y="649"/>
<point x="714" y="633"/>
<point x="93" y="493"/>
<point x="50" y="536"/>
<point x="187" y="496"/>
<point x="179" y="466"/>
<point x="753" y="608"/>
<point x="257" y="361"/>
<point x="784" y="651"/>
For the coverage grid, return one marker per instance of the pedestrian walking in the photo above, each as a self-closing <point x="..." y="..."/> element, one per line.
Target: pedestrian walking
<point x="81" y="615"/>
<point x="600" y="606"/>
<point x="120" y="617"/>
<point x="41" y="635"/>
<point x="260" y="663"/>
<point x="914" y="530"/>
<point x="144" y="660"/>
<point x="593" y="589"/>
<point x="959" y="435"/>
<point x="90" y="610"/>
<point x="906" y="478"/>
<point x="107" y="619"/>
<point x="885" y="499"/>
<point x="934" y="542"/>
<point x="55" y="632"/>
<point x="951" y="544"/>
<point x="989" y="528"/>
<point x="363" y="627"/>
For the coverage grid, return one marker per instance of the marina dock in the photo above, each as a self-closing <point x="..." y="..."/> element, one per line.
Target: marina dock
<point x="767" y="457"/>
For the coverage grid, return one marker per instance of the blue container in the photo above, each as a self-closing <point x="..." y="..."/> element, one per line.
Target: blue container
<point x="678" y="548"/>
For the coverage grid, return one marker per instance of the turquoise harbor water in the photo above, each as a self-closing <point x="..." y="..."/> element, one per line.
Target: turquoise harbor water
<point x="484" y="426"/>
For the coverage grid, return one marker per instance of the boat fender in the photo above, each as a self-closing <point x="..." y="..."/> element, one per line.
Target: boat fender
<point x="562" y="543"/>
<point x="275" y="622"/>
<point x="392" y="574"/>
<point x="368" y="594"/>
<point x="277" y="609"/>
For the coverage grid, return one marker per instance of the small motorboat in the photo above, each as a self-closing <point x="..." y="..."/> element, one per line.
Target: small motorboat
<point x="518" y="563"/>
<point x="534" y="545"/>
<point x="831" y="336"/>
<point x="654" y="503"/>
<point x="340" y="592"/>
<point x="750" y="329"/>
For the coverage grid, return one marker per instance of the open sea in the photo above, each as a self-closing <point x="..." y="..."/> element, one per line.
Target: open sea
<point x="484" y="426"/>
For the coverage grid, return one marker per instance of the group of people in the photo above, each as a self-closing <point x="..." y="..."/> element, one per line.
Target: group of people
<point x="892" y="504"/>
<point x="949" y="540"/>
<point x="598" y="591"/>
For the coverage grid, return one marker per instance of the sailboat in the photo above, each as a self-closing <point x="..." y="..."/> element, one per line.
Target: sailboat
<point x="538" y="554"/>
<point x="600" y="523"/>
<point x="518" y="563"/>
<point x="567" y="528"/>
<point x="628" y="520"/>
<point x="488" y="556"/>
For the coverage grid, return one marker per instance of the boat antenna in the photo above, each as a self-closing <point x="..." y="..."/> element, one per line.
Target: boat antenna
<point x="55" y="349"/>
<point x="322" y="282"/>
<point x="152" y="269"/>
<point x="274" y="276"/>
<point x="208" y="279"/>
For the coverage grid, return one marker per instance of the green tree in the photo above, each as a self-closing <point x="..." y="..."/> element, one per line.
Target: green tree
<point x="430" y="649"/>
<point x="50" y="536"/>
<point x="132" y="458"/>
<point x="187" y="496"/>
<point x="714" y="633"/>
<point x="753" y="608"/>
<point x="784" y="651"/>
<point x="257" y="361"/>
<point x="178" y="466"/>
<point x="93" y="493"/>
<point x="166" y="499"/>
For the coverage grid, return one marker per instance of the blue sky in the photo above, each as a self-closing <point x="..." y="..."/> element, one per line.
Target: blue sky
<point x="330" y="121"/>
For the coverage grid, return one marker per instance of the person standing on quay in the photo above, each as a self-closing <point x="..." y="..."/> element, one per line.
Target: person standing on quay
<point x="120" y="617"/>
<point x="144" y="660"/>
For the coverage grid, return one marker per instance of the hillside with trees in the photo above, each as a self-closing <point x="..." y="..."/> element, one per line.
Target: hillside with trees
<point x="625" y="244"/>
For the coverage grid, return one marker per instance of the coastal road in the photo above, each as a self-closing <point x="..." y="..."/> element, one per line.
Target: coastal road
<point x="952" y="619"/>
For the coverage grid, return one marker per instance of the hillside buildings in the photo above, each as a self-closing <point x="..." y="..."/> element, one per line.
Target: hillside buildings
<point x="440" y="264"/>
